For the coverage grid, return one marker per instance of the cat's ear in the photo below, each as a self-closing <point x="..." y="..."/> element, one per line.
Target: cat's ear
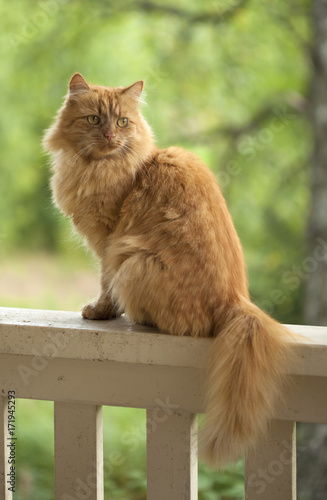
<point x="134" y="91"/>
<point x="78" y="84"/>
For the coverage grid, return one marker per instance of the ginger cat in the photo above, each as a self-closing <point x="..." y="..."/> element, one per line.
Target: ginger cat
<point x="169" y="253"/>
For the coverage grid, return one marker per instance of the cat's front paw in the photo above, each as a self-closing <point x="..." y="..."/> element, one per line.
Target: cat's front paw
<point x="98" y="311"/>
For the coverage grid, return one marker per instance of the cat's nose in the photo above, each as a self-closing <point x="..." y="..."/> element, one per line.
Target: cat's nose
<point x="110" y="136"/>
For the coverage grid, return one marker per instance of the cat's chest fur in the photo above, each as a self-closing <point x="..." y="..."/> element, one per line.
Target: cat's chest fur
<point x="91" y="193"/>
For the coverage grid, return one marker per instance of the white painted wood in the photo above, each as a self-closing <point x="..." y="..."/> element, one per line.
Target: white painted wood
<point x="138" y="386"/>
<point x="53" y="334"/>
<point x="106" y="382"/>
<point x="270" y="469"/>
<point x="5" y="494"/>
<point x="66" y="334"/>
<point x="46" y="354"/>
<point x="171" y="455"/>
<point x="305" y="400"/>
<point x="78" y="451"/>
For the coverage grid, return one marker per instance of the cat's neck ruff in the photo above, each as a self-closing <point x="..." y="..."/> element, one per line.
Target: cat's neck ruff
<point x="76" y="178"/>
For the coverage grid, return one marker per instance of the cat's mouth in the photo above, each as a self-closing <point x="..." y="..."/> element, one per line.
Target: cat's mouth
<point x="109" y="148"/>
<point x="102" y="149"/>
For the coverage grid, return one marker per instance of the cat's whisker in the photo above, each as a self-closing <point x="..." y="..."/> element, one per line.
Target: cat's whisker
<point x="136" y="151"/>
<point x="81" y="151"/>
<point x="141" y="163"/>
<point x="78" y="154"/>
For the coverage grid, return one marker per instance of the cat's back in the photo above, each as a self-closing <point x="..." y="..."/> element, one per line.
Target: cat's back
<point x="177" y="177"/>
<point x="175" y="162"/>
<point x="177" y="198"/>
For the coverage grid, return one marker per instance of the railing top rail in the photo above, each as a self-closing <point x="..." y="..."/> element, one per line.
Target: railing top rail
<point x="24" y="331"/>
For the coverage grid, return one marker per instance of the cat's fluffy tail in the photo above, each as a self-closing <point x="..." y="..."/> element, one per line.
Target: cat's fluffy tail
<point x="246" y="373"/>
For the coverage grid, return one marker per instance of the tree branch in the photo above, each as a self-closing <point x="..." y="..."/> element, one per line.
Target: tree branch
<point x="294" y="105"/>
<point x="288" y="19"/>
<point x="213" y="17"/>
<point x="235" y="131"/>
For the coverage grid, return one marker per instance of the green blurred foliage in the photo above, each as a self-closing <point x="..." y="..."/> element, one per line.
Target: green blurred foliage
<point x="205" y="82"/>
<point x="124" y="439"/>
<point x="34" y="450"/>
<point x="232" y="91"/>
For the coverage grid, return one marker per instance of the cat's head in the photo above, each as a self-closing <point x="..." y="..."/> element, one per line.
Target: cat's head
<point x="98" y="122"/>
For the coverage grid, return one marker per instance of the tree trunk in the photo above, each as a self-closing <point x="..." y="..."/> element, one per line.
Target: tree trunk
<point x="316" y="293"/>
<point x="312" y="439"/>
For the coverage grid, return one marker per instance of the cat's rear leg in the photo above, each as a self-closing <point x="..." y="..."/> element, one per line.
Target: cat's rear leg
<point x="153" y="295"/>
<point x="144" y="319"/>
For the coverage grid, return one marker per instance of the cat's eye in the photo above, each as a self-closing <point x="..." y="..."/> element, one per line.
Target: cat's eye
<point x="93" y="119"/>
<point x="122" y="122"/>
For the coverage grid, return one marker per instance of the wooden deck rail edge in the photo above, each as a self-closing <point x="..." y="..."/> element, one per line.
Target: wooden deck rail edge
<point x="81" y="364"/>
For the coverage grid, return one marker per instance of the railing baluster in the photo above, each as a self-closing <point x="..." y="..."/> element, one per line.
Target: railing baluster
<point x="171" y="455"/>
<point x="78" y="451"/>
<point x="5" y="494"/>
<point x="270" y="469"/>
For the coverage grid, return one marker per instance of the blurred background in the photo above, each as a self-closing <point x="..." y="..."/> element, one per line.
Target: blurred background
<point x="242" y="83"/>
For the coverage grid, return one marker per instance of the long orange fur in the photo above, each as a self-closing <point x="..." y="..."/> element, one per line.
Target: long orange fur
<point x="169" y="253"/>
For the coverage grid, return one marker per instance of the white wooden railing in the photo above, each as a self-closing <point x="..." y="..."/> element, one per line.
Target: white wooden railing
<point x="82" y="365"/>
